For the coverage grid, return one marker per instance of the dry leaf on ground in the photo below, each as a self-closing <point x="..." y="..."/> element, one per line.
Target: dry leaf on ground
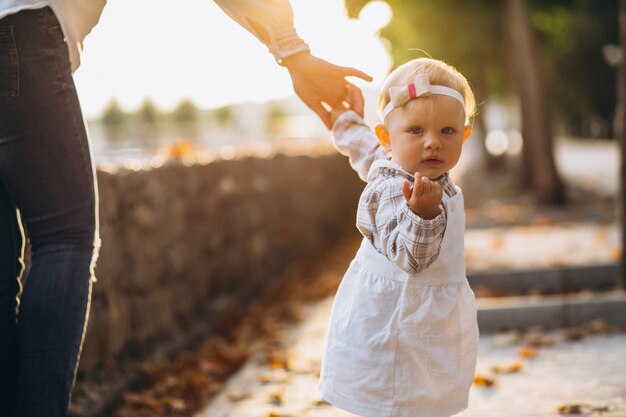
<point x="484" y="381"/>
<point x="528" y="352"/>
<point x="276" y="398"/>
<point x="236" y="396"/>
<point x="507" y="369"/>
<point x="581" y="410"/>
<point x="597" y="326"/>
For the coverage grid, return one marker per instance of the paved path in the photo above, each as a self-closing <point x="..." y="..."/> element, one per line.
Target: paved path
<point x="516" y="248"/>
<point x="591" y="371"/>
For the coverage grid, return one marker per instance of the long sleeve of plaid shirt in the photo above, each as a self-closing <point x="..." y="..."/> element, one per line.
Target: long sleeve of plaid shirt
<point x="383" y="217"/>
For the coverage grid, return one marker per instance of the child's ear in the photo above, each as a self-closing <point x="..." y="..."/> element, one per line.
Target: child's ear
<point x="383" y="136"/>
<point x="467" y="133"/>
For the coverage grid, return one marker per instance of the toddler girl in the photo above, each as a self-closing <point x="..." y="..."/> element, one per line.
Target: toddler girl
<point x="403" y="335"/>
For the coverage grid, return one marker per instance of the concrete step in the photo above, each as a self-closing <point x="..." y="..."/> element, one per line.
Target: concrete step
<point x="551" y="311"/>
<point x="545" y="280"/>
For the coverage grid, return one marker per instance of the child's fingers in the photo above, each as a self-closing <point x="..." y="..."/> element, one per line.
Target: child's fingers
<point x="406" y="190"/>
<point x="354" y="98"/>
<point x="418" y="185"/>
<point x="427" y="184"/>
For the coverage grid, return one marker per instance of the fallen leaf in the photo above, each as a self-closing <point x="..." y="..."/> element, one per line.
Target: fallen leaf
<point x="143" y="400"/>
<point x="274" y="377"/>
<point x="507" y="338"/>
<point x="507" y="369"/>
<point x="484" y="381"/>
<point x="581" y="409"/>
<point x="236" y="396"/>
<point x="600" y="238"/>
<point x="541" y="221"/>
<point x="528" y="352"/>
<point x="179" y="149"/>
<point x="570" y="409"/>
<point x="277" y="358"/>
<point x="616" y="254"/>
<point x="275" y="398"/>
<point x="538" y="339"/>
<point x="597" y="326"/>
<point x="573" y="335"/>
<point x="176" y="404"/>
<point x="497" y="243"/>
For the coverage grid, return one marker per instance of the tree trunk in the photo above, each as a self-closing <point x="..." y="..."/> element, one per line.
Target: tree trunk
<point x="620" y="134"/>
<point x="536" y="125"/>
<point x="491" y="163"/>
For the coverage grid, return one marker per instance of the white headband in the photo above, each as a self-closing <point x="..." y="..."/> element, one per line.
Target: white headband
<point x="421" y="87"/>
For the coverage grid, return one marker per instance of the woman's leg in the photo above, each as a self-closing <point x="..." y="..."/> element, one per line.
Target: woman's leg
<point x="45" y="164"/>
<point x="10" y="270"/>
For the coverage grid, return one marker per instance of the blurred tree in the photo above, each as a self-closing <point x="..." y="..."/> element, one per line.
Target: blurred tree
<point x="186" y="111"/>
<point x="571" y="36"/>
<point x="114" y="120"/>
<point x="473" y="37"/>
<point x="185" y="117"/>
<point x="224" y="115"/>
<point x="147" y="117"/>
<point x="147" y="112"/>
<point x="113" y="114"/>
<point x="275" y="115"/>
<point x="540" y="170"/>
<point x="466" y="34"/>
<point x="620" y="127"/>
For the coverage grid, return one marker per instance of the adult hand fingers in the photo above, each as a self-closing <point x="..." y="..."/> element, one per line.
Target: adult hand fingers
<point x="322" y="113"/>
<point x="353" y="72"/>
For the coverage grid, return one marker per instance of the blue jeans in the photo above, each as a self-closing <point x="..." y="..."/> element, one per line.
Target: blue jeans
<point x="47" y="190"/>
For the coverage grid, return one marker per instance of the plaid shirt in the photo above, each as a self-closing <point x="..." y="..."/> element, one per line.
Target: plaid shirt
<point x="383" y="216"/>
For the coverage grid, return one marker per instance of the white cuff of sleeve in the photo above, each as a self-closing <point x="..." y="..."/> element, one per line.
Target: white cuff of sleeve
<point x="345" y="120"/>
<point x="431" y="223"/>
<point x="286" y="42"/>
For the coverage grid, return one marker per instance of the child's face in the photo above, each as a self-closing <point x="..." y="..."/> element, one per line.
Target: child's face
<point x="426" y="135"/>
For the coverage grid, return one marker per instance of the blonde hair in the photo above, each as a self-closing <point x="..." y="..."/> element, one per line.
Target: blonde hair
<point x="438" y="73"/>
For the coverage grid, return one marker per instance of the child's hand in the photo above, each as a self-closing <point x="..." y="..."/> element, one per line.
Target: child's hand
<point x="425" y="197"/>
<point x="351" y="101"/>
<point x="335" y="113"/>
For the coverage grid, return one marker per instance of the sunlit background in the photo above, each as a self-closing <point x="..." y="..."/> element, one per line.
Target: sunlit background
<point x="155" y="75"/>
<point x="147" y="59"/>
<point x="170" y="52"/>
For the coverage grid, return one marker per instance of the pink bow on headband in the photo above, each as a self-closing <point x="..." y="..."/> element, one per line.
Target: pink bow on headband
<point x="420" y="87"/>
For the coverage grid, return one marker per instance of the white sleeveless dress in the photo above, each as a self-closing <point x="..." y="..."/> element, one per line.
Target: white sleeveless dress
<point x="401" y="344"/>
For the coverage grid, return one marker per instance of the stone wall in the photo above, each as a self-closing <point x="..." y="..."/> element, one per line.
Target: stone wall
<point x="182" y="242"/>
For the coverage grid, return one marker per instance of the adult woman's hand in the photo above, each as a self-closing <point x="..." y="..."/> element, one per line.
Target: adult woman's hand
<point x="317" y="81"/>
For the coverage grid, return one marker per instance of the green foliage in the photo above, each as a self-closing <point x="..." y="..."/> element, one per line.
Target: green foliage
<point x="275" y="115"/>
<point x="148" y="112"/>
<point x="472" y="36"/>
<point x="581" y="84"/>
<point x="186" y="111"/>
<point x="224" y="115"/>
<point x="113" y="115"/>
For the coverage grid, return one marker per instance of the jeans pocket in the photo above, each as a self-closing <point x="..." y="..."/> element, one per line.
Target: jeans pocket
<point x="443" y="355"/>
<point x="9" y="65"/>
